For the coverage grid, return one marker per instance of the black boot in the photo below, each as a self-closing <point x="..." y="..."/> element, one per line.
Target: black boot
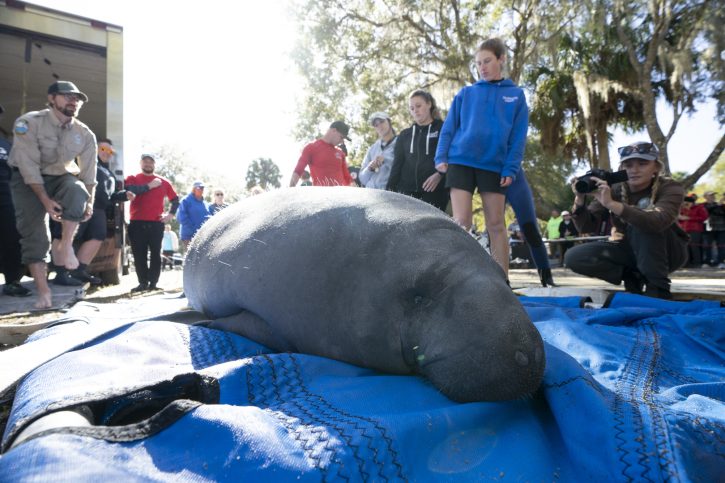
<point x="658" y="292"/>
<point x="633" y="281"/>
<point x="546" y="278"/>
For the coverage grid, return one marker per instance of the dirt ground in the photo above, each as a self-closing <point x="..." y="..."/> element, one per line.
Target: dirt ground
<point x="23" y="321"/>
<point x="686" y="285"/>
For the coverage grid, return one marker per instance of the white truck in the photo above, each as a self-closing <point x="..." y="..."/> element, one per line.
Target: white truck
<point x="38" y="46"/>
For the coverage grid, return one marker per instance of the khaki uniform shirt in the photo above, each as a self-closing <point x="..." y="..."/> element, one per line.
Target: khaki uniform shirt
<point x="44" y="146"/>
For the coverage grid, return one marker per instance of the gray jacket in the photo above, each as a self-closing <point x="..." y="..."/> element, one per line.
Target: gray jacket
<point x="379" y="179"/>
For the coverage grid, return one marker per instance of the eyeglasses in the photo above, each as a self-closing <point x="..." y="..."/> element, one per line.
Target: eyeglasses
<point x="642" y="148"/>
<point x="106" y="149"/>
<point x="72" y="97"/>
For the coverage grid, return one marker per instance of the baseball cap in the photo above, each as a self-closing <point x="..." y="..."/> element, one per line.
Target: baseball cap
<point x="342" y="128"/>
<point x="565" y="213"/>
<point x="692" y="195"/>
<point x="65" y="87"/>
<point x="708" y="193"/>
<point x="149" y="156"/>
<point x="198" y="184"/>
<point x="378" y="115"/>
<point x="690" y="198"/>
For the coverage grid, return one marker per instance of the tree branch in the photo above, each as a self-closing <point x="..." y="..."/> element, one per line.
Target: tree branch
<point x="692" y="179"/>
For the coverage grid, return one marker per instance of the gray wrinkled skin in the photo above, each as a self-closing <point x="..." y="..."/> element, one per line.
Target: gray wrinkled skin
<point x="368" y="277"/>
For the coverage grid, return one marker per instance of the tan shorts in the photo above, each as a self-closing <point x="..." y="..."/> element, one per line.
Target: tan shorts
<point x="31" y="217"/>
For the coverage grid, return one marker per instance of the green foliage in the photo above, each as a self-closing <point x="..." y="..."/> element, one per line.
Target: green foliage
<point x="263" y="173"/>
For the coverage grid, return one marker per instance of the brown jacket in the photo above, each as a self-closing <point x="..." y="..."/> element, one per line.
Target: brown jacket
<point x="637" y="212"/>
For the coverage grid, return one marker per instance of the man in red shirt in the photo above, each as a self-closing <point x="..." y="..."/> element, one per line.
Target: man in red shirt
<point x="326" y="161"/>
<point x="146" y="229"/>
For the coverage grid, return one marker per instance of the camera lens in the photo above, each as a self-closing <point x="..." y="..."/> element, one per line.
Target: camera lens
<point x="585" y="184"/>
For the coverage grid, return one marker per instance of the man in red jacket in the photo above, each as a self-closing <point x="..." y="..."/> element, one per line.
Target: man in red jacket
<point x="146" y="229"/>
<point x="692" y="219"/>
<point x="326" y="161"/>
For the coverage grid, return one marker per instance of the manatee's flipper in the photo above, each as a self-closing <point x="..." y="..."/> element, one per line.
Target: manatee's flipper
<point x="250" y="325"/>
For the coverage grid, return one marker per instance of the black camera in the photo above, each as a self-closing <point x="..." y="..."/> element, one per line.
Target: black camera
<point x="585" y="183"/>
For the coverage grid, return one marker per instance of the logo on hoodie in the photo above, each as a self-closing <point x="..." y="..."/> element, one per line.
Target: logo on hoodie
<point x="510" y="99"/>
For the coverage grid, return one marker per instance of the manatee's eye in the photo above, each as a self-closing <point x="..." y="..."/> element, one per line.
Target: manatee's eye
<point x="413" y="300"/>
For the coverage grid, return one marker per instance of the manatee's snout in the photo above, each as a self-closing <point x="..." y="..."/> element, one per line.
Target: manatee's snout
<point x="497" y="361"/>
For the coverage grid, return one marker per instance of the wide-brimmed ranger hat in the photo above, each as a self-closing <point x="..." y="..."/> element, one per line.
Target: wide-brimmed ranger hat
<point x="639" y="150"/>
<point x="66" y="87"/>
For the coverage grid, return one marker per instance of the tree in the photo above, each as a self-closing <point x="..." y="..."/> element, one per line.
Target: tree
<point x="264" y="173"/>
<point x="593" y="65"/>
<point x="669" y="44"/>
<point x="359" y="56"/>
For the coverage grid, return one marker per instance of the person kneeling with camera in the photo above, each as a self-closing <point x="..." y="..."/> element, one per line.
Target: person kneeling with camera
<point x="646" y="243"/>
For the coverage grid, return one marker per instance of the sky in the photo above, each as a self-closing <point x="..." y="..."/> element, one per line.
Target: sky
<point x="216" y="81"/>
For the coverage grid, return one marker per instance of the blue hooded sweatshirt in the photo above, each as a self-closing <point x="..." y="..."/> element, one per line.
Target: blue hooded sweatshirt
<point x="486" y="128"/>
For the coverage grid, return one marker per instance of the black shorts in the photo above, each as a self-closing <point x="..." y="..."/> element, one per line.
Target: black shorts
<point x="93" y="229"/>
<point x="468" y="179"/>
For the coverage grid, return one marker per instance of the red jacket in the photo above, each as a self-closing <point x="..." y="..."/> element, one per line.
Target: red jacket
<point x="697" y="214"/>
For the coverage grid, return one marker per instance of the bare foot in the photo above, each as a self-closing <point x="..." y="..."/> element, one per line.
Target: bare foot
<point x="71" y="262"/>
<point x="45" y="301"/>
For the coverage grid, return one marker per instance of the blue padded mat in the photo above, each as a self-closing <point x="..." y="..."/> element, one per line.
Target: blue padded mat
<point x="633" y="392"/>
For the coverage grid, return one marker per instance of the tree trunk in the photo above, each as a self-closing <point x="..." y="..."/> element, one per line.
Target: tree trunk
<point x="603" y="145"/>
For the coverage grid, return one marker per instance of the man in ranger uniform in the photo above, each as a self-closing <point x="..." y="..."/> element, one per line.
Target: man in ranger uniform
<point x="53" y="160"/>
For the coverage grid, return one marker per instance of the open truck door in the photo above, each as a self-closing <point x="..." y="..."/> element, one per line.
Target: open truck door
<point x="38" y="46"/>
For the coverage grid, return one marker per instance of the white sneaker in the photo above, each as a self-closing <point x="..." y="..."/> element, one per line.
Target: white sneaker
<point x="705" y="265"/>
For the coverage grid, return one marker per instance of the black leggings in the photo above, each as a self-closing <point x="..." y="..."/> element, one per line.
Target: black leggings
<point x="146" y="236"/>
<point x="654" y="255"/>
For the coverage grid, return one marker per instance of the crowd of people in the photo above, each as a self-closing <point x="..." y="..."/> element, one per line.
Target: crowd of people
<point x="56" y="190"/>
<point x="56" y="170"/>
<point x="480" y="146"/>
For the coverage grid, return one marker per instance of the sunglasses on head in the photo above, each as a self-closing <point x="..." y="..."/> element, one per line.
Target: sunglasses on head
<point x="642" y="148"/>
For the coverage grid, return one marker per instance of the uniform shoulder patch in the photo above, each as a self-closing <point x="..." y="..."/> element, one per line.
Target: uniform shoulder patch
<point x="21" y="127"/>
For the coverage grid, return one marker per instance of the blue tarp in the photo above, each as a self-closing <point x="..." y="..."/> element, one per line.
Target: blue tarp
<point x="632" y="392"/>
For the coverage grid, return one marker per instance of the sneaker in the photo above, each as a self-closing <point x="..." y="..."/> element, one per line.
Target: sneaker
<point x="142" y="287"/>
<point x="721" y="266"/>
<point x="153" y="286"/>
<point x="86" y="277"/>
<point x="63" y="277"/>
<point x="705" y="265"/>
<point x="14" y="289"/>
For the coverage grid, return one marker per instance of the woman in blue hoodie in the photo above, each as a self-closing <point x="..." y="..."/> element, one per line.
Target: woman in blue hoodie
<point x="482" y="144"/>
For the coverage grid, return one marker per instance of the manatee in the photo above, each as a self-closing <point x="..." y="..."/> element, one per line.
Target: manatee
<point x="371" y="278"/>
